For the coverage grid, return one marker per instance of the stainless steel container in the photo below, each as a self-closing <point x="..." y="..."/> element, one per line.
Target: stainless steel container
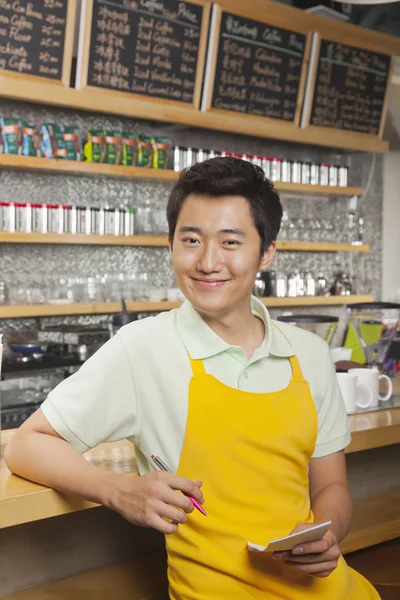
<point x="39" y="218"/>
<point x="201" y="155"/>
<point x="333" y="175"/>
<point x="286" y="170"/>
<point x="309" y="283"/>
<point x="129" y="225"/>
<point x="266" y="165"/>
<point x="305" y="172"/>
<point x="314" y="174"/>
<point x="83" y="220"/>
<point x="97" y="220"/>
<point x="73" y="219"/>
<point x="324" y="174"/>
<point x="276" y="169"/>
<point x="7" y="217"/>
<point x="188" y="159"/>
<point x="343" y="176"/>
<point x="23" y="217"/>
<point x="178" y="158"/>
<point x="292" y="285"/>
<point x="296" y="172"/>
<point x="281" y="286"/>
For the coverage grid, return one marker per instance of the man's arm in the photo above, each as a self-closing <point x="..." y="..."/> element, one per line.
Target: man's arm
<point x="330" y="501"/>
<point x="38" y="453"/>
<point x="329" y="493"/>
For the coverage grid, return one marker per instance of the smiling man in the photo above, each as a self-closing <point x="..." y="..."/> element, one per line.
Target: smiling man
<point x="247" y="415"/>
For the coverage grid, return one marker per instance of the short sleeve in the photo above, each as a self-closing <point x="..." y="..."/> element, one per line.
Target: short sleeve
<point x="333" y="423"/>
<point x="96" y="404"/>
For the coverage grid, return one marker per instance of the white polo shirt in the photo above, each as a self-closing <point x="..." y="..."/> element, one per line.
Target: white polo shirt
<point x="136" y="385"/>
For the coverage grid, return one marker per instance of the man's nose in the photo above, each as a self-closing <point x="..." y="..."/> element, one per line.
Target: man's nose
<point x="210" y="260"/>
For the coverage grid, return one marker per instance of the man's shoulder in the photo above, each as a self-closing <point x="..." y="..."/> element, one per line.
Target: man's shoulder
<point x="151" y="332"/>
<point x="305" y="343"/>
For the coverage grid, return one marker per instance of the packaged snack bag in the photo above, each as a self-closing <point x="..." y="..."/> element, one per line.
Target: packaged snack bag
<point x="30" y="141"/>
<point x="144" y="156"/>
<point x="59" y="141"/>
<point x="10" y="136"/>
<point x="72" y="142"/>
<point x="162" y="153"/>
<point x="94" y="148"/>
<point x="113" y="143"/>
<point x="128" y="149"/>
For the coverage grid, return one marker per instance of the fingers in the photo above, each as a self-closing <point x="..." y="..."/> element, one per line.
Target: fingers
<point x="170" y="497"/>
<point x="316" y="547"/>
<point x="322" y="569"/>
<point x="170" y="512"/>
<point x="187" y="486"/>
<point x="333" y="553"/>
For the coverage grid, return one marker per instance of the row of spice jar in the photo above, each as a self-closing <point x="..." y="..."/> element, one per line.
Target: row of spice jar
<point x="25" y="217"/>
<point x="276" y="169"/>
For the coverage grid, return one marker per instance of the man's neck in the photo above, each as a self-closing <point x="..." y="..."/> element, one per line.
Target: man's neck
<point x="239" y="327"/>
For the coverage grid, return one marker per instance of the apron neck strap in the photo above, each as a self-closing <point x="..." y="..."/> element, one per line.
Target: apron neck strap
<point x="294" y="362"/>
<point x="197" y="366"/>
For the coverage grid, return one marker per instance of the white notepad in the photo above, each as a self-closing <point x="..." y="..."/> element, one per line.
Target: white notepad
<point x="287" y="543"/>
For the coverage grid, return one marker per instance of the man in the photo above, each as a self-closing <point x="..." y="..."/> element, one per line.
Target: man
<point x="246" y="413"/>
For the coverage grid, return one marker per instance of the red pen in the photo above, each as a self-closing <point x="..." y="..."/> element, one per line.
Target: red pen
<point x="163" y="467"/>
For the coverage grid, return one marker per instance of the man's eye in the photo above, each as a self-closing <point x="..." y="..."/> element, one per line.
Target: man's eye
<point x="190" y="240"/>
<point x="232" y="243"/>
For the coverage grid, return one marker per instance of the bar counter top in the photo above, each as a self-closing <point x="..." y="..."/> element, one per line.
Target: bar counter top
<point x="22" y="501"/>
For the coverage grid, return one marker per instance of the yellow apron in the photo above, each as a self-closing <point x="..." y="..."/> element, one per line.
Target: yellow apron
<point x="252" y="453"/>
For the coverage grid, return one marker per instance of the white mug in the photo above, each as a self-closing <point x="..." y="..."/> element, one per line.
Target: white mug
<point x="372" y="377"/>
<point x="355" y="393"/>
<point x="341" y="354"/>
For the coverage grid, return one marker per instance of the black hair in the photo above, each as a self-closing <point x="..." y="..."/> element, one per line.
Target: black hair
<point x="230" y="176"/>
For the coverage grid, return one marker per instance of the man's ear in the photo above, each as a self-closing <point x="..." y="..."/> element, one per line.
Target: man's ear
<point x="170" y="245"/>
<point x="268" y="257"/>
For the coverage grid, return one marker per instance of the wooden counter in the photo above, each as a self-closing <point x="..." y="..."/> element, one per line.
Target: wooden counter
<point x="22" y="501"/>
<point x="377" y="518"/>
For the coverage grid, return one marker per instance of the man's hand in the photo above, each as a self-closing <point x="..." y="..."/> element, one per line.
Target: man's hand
<point x="148" y="500"/>
<point x="317" y="558"/>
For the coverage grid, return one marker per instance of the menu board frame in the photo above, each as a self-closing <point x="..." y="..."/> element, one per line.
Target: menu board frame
<point x="84" y="55"/>
<point x="357" y="43"/>
<point x="257" y="11"/>
<point x="65" y="79"/>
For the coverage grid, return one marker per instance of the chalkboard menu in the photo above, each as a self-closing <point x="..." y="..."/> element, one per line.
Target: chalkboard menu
<point x="146" y="47"/>
<point x="32" y="36"/>
<point x="258" y="68"/>
<point x="350" y="88"/>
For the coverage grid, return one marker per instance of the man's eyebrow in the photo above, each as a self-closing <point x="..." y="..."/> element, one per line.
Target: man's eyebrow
<point x="189" y="229"/>
<point x="229" y="231"/>
<point x="233" y="232"/>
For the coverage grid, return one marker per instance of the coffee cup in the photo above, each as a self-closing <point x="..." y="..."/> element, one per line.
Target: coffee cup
<point x="354" y="393"/>
<point x="372" y="377"/>
<point x="338" y="354"/>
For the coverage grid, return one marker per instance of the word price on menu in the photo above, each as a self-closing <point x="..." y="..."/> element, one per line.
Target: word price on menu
<point x="350" y="88"/>
<point x="146" y="47"/>
<point x="258" y="69"/>
<point x="32" y="35"/>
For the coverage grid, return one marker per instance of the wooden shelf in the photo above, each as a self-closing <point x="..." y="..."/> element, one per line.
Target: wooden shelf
<point x="49" y="310"/>
<point x="81" y="239"/>
<point x="13" y="85"/>
<point x="316" y="300"/>
<point x="376" y="519"/>
<point x="289" y="246"/>
<point x="53" y="165"/>
<point x="159" y="241"/>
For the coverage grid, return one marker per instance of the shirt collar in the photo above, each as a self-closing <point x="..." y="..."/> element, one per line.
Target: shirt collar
<point x="202" y="342"/>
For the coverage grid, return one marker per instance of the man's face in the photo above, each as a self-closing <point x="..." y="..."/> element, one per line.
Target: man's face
<point x="216" y="252"/>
